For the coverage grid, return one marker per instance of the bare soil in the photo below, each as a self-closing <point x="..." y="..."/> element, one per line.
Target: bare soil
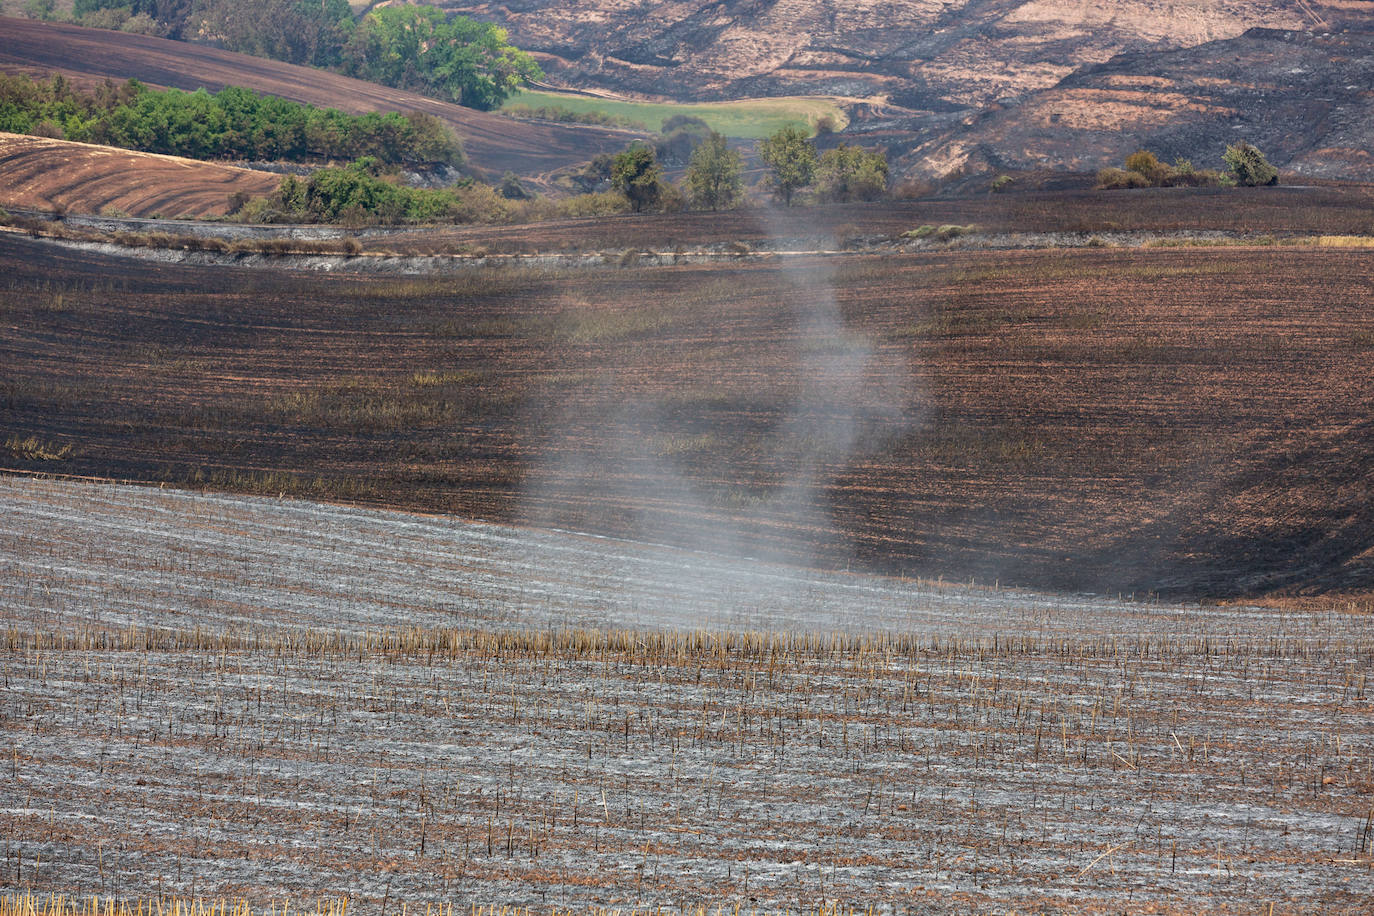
<point x="1180" y="420"/>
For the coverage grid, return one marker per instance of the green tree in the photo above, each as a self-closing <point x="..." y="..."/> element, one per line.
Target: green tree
<point x="1248" y="166"/>
<point x="311" y="32"/>
<point x="40" y="9"/>
<point x="792" y="159"/>
<point x="714" y="175"/>
<point x="637" y="174"/>
<point x="421" y="49"/>
<point x="851" y="173"/>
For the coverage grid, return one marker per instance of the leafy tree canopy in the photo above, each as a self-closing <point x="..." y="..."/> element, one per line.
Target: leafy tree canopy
<point x="851" y="173"/>
<point x="714" y="179"/>
<point x="637" y="174"/>
<point x="422" y="49"/>
<point x="792" y="159"/>
<point x="235" y="123"/>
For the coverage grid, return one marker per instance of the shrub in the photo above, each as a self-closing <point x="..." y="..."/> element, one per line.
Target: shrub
<point x="1248" y="166"/>
<point x="1001" y="183"/>
<point x="848" y="173"/>
<point x="1146" y="164"/>
<point x="604" y="203"/>
<point x="944" y="233"/>
<point x="1113" y="179"/>
<point x="512" y="189"/>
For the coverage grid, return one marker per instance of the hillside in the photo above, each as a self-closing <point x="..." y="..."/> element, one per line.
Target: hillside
<point x="1302" y="97"/>
<point x="494" y="144"/>
<point x="925" y="55"/>
<point x="1168" y="419"/>
<point x="54" y="174"/>
<point x="1000" y="84"/>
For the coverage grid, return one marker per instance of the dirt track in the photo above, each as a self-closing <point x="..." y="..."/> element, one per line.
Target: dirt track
<point x="493" y="143"/>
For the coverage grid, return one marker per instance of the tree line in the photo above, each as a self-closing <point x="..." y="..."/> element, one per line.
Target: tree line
<point x="413" y="47"/>
<point x="234" y="123"/>
<point x="715" y="171"/>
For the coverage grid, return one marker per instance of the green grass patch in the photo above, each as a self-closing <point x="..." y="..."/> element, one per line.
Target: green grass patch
<point x="746" y="119"/>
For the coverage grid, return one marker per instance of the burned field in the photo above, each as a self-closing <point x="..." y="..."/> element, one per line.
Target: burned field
<point x="1177" y="420"/>
<point x="199" y="701"/>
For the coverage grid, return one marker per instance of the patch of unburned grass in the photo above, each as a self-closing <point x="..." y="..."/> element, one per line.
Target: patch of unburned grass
<point x="32" y="448"/>
<point x="675" y="444"/>
<point x="1345" y="241"/>
<point x="945" y="233"/>
<point x="435" y="379"/>
<point x="747" y="119"/>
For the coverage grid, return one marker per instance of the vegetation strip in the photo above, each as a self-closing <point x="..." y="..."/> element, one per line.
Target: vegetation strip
<point x="234" y="123"/>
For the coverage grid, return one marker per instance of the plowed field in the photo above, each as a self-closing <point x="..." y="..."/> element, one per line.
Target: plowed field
<point x="1191" y="420"/>
<point x="493" y="143"/>
<point x="47" y="174"/>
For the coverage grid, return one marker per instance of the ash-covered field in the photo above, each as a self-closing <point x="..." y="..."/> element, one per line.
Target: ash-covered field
<point x="209" y="695"/>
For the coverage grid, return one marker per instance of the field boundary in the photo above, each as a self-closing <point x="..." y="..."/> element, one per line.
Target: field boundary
<point x="278" y="253"/>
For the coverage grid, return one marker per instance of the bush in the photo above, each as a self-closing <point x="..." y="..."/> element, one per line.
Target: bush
<point x="1147" y="165"/>
<point x="1114" y="179"/>
<point x="1144" y="170"/>
<point x="512" y="189"/>
<point x="604" y="203"/>
<point x="234" y="123"/>
<point x="1249" y="167"/>
<point x="682" y="134"/>
<point x="1001" y="183"/>
<point x="848" y="173"/>
<point x="944" y="233"/>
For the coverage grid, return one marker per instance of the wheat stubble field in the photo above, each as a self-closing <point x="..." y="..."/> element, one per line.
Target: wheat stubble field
<point x="212" y="696"/>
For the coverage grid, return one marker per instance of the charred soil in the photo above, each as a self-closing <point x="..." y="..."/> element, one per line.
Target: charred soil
<point x="1188" y="420"/>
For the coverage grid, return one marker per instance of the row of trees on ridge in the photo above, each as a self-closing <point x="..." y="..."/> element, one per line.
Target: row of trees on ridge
<point x="408" y="46"/>
<point x="234" y="123"/>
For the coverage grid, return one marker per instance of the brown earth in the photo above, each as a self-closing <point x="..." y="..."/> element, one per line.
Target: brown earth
<point x="1171" y="419"/>
<point x="47" y="174"/>
<point x="494" y="144"/>
<point x="1324" y="209"/>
